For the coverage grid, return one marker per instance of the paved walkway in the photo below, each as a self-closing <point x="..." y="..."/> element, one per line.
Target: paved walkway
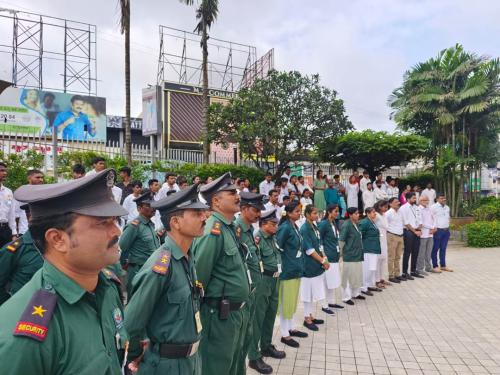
<point x="444" y="324"/>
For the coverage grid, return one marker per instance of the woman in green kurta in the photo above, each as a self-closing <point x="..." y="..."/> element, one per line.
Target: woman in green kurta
<point x="290" y="242"/>
<point x="330" y="237"/>
<point x="351" y="246"/>
<point x="319" y="186"/>
<point x="371" y="250"/>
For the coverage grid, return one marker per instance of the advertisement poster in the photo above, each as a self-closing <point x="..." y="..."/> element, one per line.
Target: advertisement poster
<point x="38" y="112"/>
<point x="150" y="113"/>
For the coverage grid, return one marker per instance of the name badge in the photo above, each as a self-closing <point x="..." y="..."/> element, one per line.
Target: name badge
<point x="197" y="318"/>
<point x="249" y="277"/>
<point x="279" y="268"/>
<point x="261" y="264"/>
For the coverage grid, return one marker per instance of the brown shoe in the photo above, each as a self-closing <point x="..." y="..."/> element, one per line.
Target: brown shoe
<point x="380" y="285"/>
<point x="446" y="269"/>
<point x="436" y="270"/>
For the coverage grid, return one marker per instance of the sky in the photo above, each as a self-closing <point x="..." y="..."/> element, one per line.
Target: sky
<point x="360" y="48"/>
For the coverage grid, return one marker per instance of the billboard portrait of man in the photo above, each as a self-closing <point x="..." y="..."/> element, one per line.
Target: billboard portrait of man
<point x="73" y="124"/>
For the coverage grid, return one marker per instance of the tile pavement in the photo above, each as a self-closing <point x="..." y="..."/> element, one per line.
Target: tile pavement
<point x="444" y="324"/>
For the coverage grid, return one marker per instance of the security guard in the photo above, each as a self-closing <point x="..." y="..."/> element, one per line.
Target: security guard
<point x="167" y="294"/>
<point x="266" y="298"/>
<point x="68" y="318"/>
<point x="139" y="239"/>
<point x="250" y="205"/>
<point x="19" y="260"/>
<point x="222" y="271"/>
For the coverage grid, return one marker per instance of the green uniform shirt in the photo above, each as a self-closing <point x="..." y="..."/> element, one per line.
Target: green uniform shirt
<point x="164" y="305"/>
<point x="270" y="251"/>
<point x="219" y="262"/>
<point x="371" y="236"/>
<point x="353" y="247"/>
<point x="19" y="260"/>
<point x="138" y="241"/>
<point x="330" y="239"/>
<point x="252" y="253"/>
<point x="290" y="241"/>
<point x="311" y="240"/>
<point x="82" y="337"/>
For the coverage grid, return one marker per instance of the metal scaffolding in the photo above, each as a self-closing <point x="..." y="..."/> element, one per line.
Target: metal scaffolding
<point x="50" y="53"/>
<point x="180" y="60"/>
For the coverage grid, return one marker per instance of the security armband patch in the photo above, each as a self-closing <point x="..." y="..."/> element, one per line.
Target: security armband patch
<point x="135" y="222"/>
<point x="110" y="275"/>
<point x="34" y="322"/>
<point x="13" y="246"/>
<point x="216" y="229"/>
<point x="162" y="263"/>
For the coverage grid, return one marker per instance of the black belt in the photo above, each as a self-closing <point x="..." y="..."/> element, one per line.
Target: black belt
<point x="394" y="234"/>
<point x="270" y="273"/>
<point x="178" y="350"/>
<point x="443" y="228"/>
<point x="215" y="303"/>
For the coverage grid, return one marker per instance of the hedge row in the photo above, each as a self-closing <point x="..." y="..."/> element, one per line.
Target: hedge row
<point x="483" y="234"/>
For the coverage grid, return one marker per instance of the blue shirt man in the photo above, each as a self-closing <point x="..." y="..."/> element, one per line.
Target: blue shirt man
<point x="73" y="123"/>
<point x="331" y="194"/>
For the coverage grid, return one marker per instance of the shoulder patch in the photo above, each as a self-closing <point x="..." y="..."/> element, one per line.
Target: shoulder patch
<point x="216" y="229"/>
<point x="34" y="322"/>
<point x="135" y="222"/>
<point x="13" y="246"/>
<point x="162" y="262"/>
<point x="110" y="275"/>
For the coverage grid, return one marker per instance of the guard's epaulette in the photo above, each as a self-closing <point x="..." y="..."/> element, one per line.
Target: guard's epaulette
<point x="162" y="262"/>
<point x="110" y="275"/>
<point x="34" y="322"/>
<point x="14" y="245"/>
<point x="135" y="222"/>
<point x="216" y="229"/>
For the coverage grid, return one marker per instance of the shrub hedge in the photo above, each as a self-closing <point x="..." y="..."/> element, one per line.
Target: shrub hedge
<point x="483" y="234"/>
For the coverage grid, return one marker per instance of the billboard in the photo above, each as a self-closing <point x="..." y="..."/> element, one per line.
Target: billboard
<point x="150" y="112"/>
<point x="38" y="112"/>
<point x="116" y="122"/>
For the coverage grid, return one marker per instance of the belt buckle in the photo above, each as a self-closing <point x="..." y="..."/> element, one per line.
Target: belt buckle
<point x="193" y="348"/>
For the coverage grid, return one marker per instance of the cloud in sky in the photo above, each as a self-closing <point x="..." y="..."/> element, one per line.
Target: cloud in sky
<point x="361" y="48"/>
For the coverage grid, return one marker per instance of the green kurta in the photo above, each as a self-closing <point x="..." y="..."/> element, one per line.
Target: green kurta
<point x="371" y="236"/>
<point x="266" y="296"/>
<point x="164" y="306"/>
<point x="83" y="337"/>
<point x="290" y="241"/>
<point x="19" y="260"/>
<point x="222" y="271"/>
<point x="353" y="245"/>
<point x="330" y="239"/>
<point x="311" y="240"/>
<point x="319" y="195"/>
<point x="137" y="242"/>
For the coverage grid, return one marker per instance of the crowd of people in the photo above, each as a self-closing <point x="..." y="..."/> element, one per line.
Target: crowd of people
<point x="187" y="277"/>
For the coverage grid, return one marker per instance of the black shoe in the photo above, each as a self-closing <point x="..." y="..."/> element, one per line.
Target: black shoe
<point x="335" y="306"/>
<point x="359" y="297"/>
<point x="272" y="352"/>
<point x="408" y="277"/>
<point x="367" y="293"/>
<point x="401" y="278"/>
<point x="372" y="289"/>
<point x="297" y="333"/>
<point x="416" y="274"/>
<point x="318" y="321"/>
<point x="290" y="342"/>
<point x="394" y="280"/>
<point x="327" y="311"/>
<point x="311" y="326"/>
<point x="350" y="302"/>
<point x="260" y="366"/>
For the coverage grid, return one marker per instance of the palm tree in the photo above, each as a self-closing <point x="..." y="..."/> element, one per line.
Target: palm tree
<point x="206" y="14"/>
<point x="125" y="29"/>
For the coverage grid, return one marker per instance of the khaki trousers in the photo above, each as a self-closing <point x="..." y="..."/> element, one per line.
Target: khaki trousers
<point x="395" y="247"/>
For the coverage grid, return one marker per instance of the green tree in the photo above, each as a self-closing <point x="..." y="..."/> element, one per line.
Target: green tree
<point x="373" y="151"/>
<point x="206" y="14"/>
<point x="454" y="99"/>
<point x="125" y="29"/>
<point x="280" y="118"/>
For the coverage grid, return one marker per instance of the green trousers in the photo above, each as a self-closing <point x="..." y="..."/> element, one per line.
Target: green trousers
<point x="266" y="302"/>
<point x="152" y="364"/>
<point x="222" y="341"/>
<point x="247" y="339"/>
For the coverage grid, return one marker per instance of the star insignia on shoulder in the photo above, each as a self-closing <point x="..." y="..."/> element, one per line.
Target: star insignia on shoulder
<point x="38" y="310"/>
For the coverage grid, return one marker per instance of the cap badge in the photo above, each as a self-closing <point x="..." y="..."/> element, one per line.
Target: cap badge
<point x="110" y="179"/>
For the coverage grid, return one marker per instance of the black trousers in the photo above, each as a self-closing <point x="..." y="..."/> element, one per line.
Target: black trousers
<point x="5" y="234"/>
<point x="411" y="246"/>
